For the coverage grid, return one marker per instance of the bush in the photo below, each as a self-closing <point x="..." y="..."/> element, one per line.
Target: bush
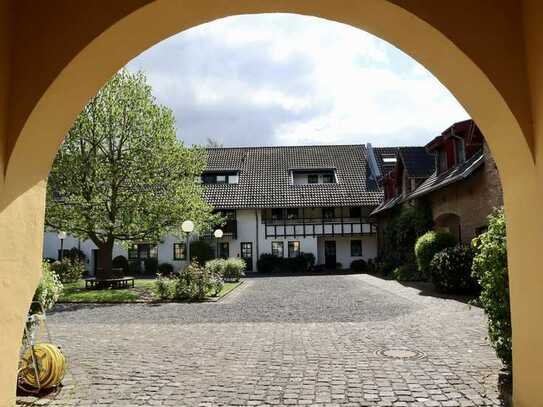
<point x="68" y="271"/>
<point x="296" y="264"/>
<point x="165" y="269"/>
<point x="269" y="263"/>
<point x="150" y="264"/>
<point x="450" y="270"/>
<point x="407" y="272"/>
<point x="428" y="245"/>
<point x="309" y="259"/>
<point x="339" y="266"/>
<point x="359" y="266"/>
<point x="401" y="233"/>
<point x="163" y="287"/>
<point x="216" y="270"/>
<point x="134" y="267"/>
<point x="75" y="254"/>
<point x="200" y="251"/>
<point x="48" y="291"/>
<point x="234" y="269"/>
<point x="490" y="270"/>
<point x="120" y="262"/>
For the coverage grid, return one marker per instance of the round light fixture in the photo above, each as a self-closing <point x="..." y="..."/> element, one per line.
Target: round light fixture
<point x="218" y="233"/>
<point x="61" y="235"/>
<point x="187" y="226"/>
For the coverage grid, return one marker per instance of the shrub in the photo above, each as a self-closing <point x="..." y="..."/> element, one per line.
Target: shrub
<point x="450" y="270"/>
<point x="490" y="270"/>
<point x="401" y="233"/>
<point x="190" y="283"/>
<point x="296" y="264"/>
<point x="68" y="271"/>
<point x="120" y="262"/>
<point x="165" y="269"/>
<point x="309" y="259"/>
<point x="339" y="266"/>
<point x="216" y="270"/>
<point x="234" y="269"/>
<point x="269" y="263"/>
<point x="75" y="254"/>
<point x="407" y="272"/>
<point x="134" y="267"/>
<point x="200" y="251"/>
<point x="150" y="264"/>
<point x="359" y="265"/>
<point x="48" y="291"/>
<point x="163" y="287"/>
<point x="428" y="245"/>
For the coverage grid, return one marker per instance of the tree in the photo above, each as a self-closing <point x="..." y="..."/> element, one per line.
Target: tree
<point x="122" y="175"/>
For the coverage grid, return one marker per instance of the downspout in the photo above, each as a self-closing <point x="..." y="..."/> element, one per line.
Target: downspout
<point x="257" y="239"/>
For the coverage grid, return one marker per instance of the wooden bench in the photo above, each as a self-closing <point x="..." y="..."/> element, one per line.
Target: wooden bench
<point x="99" y="283"/>
<point x="115" y="280"/>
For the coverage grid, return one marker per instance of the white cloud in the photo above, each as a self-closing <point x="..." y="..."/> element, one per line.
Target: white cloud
<point x="289" y="79"/>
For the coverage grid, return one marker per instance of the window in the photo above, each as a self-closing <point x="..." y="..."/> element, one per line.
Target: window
<point x="356" y="248"/>
<point x="179" y="251"/>
<point x="460" y="151"/>
<point x="313" y="176"/>
<point x="224" y="250"/>
<point x="277" y="213"/>
<point x="442" y="160"/>
<point x="228" y="177"/>
<point x="277" y="249"/>
<point x="292" y="213"/>
<point x="355" y="212"/>
<point x="293" y="248"/>
<point x="389" y="158"/>
<point x="327" y="178"/>
<point x="142" y="251"/>
<point x="328" y="213"/>
<point x="133" y="252"/>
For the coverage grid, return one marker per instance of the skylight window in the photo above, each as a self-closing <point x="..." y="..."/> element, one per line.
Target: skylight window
<point x="389" y="159"/>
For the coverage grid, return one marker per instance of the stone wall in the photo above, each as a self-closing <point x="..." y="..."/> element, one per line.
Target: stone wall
<point x="472" y="199"/>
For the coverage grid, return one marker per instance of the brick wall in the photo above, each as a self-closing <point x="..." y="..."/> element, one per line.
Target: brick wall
<point x="472" y="199"/>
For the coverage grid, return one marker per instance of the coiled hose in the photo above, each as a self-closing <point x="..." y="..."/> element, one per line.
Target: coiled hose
<point x="50" y="367"/>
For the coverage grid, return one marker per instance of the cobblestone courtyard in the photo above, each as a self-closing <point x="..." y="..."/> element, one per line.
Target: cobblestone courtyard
<point x="349" y="340"/>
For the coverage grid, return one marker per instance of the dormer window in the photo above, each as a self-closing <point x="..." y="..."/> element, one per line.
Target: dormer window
<point x="220" y="177"/>
<point x="318" y="176"/>
<point x="460" y="151"/>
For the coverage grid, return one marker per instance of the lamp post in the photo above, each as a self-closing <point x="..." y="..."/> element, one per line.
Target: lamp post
<point x="187" y="227"/>
<point x="218" y="235"/>
<point x="61" y="235"/>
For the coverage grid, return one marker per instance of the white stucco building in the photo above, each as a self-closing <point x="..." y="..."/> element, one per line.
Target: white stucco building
<point x="280" y="200"/>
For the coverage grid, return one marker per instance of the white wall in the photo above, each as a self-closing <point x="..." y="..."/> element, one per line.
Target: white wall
<point x="343" y="248"/>
<point x="246" y="227"/>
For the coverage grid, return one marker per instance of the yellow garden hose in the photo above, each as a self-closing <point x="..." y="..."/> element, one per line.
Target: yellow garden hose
<point x="50" y="366"/>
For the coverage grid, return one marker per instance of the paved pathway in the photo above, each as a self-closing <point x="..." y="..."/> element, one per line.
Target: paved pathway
<point x="350" y="340"/>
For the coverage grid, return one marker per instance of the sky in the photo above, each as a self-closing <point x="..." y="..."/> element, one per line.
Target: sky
<point x="285" y="79"/>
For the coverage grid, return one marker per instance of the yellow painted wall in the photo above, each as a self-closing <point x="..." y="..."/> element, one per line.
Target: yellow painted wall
<point x="54" y="55"/>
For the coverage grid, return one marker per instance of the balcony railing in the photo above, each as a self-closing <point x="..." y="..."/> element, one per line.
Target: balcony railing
<point x="311" y="227"/>
<point x="230" y="229"/>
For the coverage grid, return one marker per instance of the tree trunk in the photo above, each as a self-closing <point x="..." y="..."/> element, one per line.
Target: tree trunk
<point x="105" y="253"/>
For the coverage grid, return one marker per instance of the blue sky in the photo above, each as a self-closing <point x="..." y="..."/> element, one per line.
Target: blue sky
<point x="283" y="79"/>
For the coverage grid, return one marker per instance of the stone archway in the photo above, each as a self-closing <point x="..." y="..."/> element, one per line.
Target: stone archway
<point x="486" y="54"/>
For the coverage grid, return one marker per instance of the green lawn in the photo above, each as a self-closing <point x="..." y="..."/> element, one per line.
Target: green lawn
<point x="142" y="292"/>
